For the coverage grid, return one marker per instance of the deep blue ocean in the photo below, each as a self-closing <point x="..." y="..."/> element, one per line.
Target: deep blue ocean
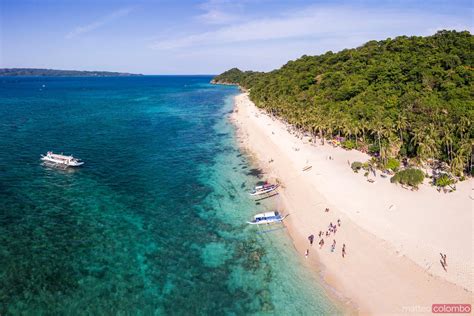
<point x="154" y="222"/>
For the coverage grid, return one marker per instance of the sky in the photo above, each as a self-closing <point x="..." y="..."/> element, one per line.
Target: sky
<point x="206" y="37"/>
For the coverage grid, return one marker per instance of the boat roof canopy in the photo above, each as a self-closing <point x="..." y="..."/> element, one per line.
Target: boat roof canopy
<point x="266" y="214"/>
<point x="60" y="156"/>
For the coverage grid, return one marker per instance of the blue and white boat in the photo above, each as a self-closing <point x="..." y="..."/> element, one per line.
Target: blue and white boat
<point x="62" y="160"/>
<point x="267" y="218"/>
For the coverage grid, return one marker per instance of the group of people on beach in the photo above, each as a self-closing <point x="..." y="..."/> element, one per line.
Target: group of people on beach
<point x="332" y="229"/>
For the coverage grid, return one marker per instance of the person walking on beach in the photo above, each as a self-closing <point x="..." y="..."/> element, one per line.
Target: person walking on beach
<point x="306" y="253"/>
<point x="443" y="257"/>
<point x="321" y="243"/>
<point x="343" y="250"/>
<point x="443" y="265"/>
<point x="311" y="238"/>
<point x="333" y="245"/>
<point x="339" y="222"/>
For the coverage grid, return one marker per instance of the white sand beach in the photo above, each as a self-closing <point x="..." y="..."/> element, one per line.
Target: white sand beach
<point x="393" y="236"/>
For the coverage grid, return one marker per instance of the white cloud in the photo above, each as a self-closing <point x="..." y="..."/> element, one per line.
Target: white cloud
<point x="314" y="23"/>
<point x="216" y="16"/>
<point x="98" y="23"/>
<point x="219" y="12"/>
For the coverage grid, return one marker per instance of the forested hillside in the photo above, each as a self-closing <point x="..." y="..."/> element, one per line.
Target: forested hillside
<point x="408" y="97"/>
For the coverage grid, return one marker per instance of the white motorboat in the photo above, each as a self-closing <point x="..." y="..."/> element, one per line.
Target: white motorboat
<point x="264" y="188"/>
<point x="62" y="160"/>
<point x="267" y="218"/>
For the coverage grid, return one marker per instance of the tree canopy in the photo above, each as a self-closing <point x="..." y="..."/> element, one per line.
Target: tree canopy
<point x="404" y="97"/>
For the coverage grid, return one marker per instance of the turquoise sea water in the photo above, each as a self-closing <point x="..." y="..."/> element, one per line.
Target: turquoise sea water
<point x="154" y="222"/>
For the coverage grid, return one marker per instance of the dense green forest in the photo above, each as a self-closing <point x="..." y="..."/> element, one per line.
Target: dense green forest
<point x="13" y="72"/>
<point x="408" y="97"/>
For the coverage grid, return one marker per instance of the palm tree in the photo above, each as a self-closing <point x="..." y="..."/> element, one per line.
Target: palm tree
<point x="457" y="164"/>
<point x="364" y="125"/>
<point x="322" y="130"/>
<point x="430" y="140"/>
<point x="417" y="137"/>
<point x="347" y="127"/>
<point x="316" y="125"/>
<point x="463" y="125"/>
<point x="340" y="123"/>
<point x="313" y="128"/>
<point x="401" y="124"/>
<point x="383" y="154"/>
<point x="425" y="140"/>
<point x="418" y="140"/>
<point x="377" y="129"/>
<point x="356" y="128"/>
<point x="466" y="151"/>
<point x="330" y="127"/>
<point x="381" y="129"/>
<point x="448" y="140"/>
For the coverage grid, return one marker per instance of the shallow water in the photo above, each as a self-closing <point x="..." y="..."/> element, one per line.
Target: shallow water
<point x="154" y="222"/>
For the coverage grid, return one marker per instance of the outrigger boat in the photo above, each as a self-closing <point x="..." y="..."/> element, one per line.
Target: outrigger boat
<point x="61" y="160"/>
<point x="264" y="188"/>
<point x="267" y="218"/>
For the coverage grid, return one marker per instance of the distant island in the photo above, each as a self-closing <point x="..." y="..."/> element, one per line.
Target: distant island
<point x="37" y="72"/>
<point x="397" y="99"/>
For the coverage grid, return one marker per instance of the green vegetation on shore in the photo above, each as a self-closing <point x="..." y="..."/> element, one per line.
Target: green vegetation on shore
<point x="14" y="72"/>
<point x="412" y="177"/>
<point x="408" y="97"/>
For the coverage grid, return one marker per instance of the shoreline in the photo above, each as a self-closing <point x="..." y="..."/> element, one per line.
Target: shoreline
<point x="388" y="267"/>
